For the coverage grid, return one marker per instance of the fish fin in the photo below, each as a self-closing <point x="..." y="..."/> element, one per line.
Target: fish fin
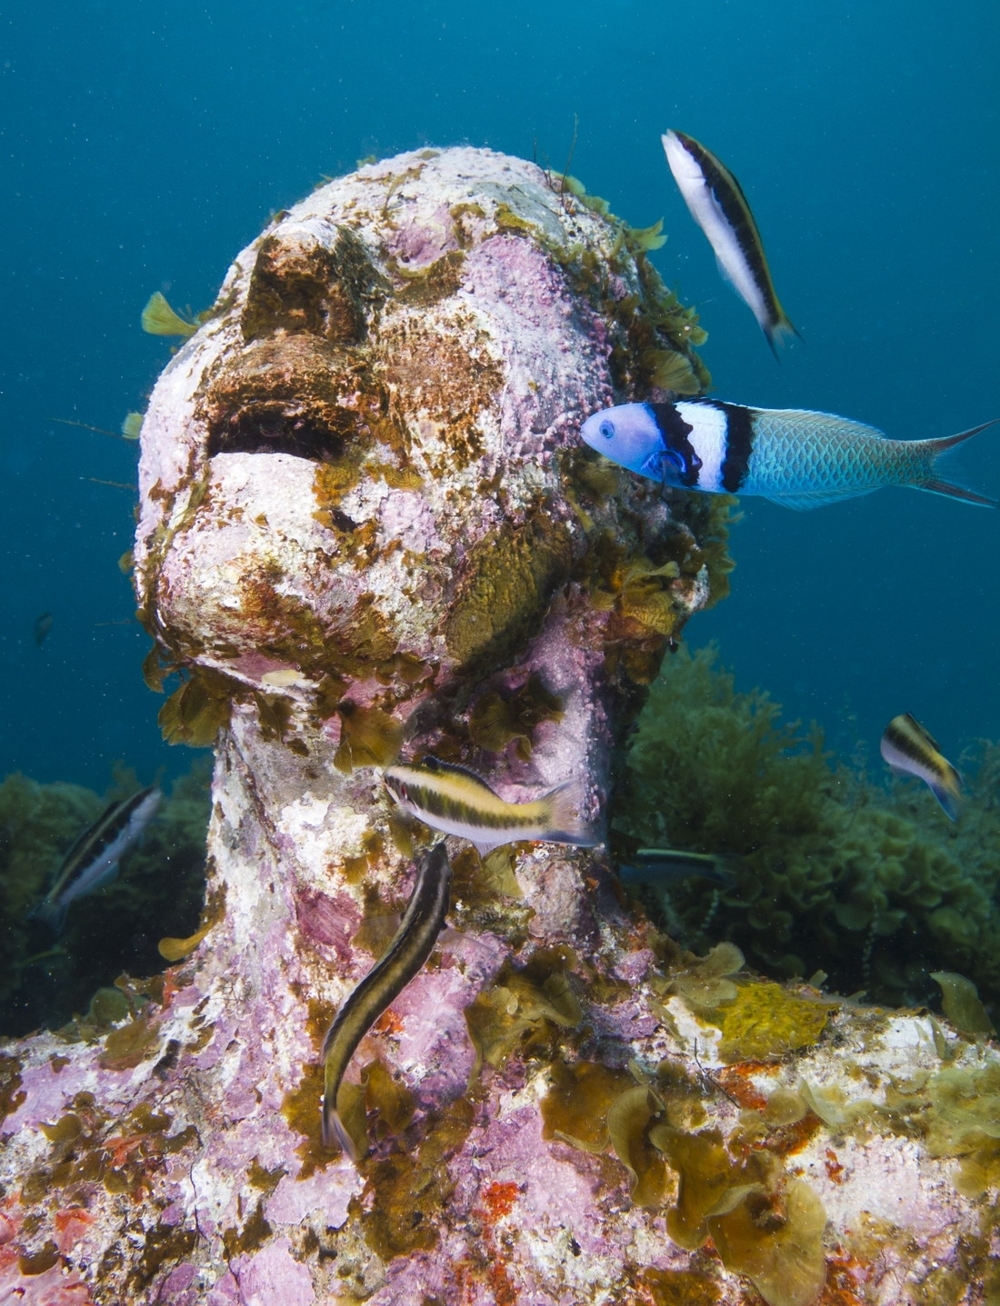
<point x="953" y="491"/>
<point x="949" y="795"/>
<point x="947" y="442"/>
<point x="810" y="499"/>
<point x="779" y="333"/>
<point x="335" y="1132"/>
<point x="484" y="849"/>
<point x="52" y="914"/>
<point x="434" y="764"/>
<point x="729" y="867"/>
<point x="934" y="484"/>
<point x="566" y="825"/>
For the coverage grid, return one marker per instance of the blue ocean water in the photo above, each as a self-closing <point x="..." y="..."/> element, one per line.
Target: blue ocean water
<point x="142" y="145"/>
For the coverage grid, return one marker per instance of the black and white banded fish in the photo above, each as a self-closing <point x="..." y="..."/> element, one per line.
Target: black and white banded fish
<point x="411" y="945"/>
<point x="92" y="860"/>
<point x="793" y="457"/>
<point x="716" y="201"/>
<point x="658" y="865"/>
<point x="458" y="801"/>
<point x="910" y="750"/>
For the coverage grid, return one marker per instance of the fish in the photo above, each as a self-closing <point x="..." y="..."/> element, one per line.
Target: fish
<point x="455" y="800"/>
<point x="910" y="750"/>
<point x="92" y="859"/>
<point x="716" y="201"/>
<point x="791" y="456"/>
<point x="43" y="624"/>
<point x="411" y="945"/>
<point x="662" y="864"/>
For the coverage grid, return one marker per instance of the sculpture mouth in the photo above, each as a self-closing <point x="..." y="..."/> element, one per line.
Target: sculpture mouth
<point x="258" y="427"/>
<point x="291" y="394"/>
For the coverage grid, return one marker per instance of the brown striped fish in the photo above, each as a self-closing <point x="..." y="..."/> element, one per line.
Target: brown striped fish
<point x="411" y="945"/>
<point x="910" y="750"/>
<point x="456" y="800"/>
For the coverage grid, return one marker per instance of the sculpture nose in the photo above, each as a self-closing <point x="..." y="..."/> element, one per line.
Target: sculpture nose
<point x="302" y="384"/>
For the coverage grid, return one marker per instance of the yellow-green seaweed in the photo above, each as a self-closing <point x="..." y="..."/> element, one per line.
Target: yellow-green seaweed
<point x="839" y="875"/>
<point x="159" y="319"/>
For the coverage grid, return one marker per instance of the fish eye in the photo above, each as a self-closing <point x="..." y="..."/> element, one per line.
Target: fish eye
<point x="607" y="428"/>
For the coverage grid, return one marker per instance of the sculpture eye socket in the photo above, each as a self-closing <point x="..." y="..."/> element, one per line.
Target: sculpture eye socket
<point x="607" y="428"/>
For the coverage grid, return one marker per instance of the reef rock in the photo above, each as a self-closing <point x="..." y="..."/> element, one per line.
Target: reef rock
<point x="367" y="526"/>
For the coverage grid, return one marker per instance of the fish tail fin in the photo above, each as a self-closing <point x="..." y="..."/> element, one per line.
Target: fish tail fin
<point x="52" y="914"/>
<point x="564" y="821"/>
<point x="780" y="332"/>
<point x="729" y="867"/>
<point x="334" y="1130"/>
<point x="934" y="483"/>
<point x="947" y="789"/>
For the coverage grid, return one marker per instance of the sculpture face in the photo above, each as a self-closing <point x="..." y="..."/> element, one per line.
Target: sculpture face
<point x="359" y="475"/>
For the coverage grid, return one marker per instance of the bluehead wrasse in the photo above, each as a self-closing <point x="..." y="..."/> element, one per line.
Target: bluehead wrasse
<point x="92" y="860"/>
<point x="657" y="865"/>
<point x="716" y="201"/>
<point x="455" y="800"/>
<point x="411" y="945"/>
<point x="43" y="624"/>
<point x="910" y="750"/>
<point x="797" y="458"/>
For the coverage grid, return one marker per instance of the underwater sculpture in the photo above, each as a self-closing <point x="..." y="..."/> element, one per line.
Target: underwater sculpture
<point x="366" y="520"/>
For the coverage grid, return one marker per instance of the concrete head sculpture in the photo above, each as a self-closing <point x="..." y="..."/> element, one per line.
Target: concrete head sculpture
<point x="362" y="481"/>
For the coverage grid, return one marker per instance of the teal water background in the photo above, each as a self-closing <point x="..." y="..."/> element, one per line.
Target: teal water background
<point x="142" y="145"/>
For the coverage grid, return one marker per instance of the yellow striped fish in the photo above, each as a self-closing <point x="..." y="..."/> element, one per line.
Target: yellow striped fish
<point x="716" y="201"/>
<point x="909" y="750"/>
<point x="456" y="800"/>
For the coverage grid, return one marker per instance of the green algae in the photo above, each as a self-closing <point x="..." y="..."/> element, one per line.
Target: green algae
<point x="764" y="1021"/>
<point x="839" y="876"/>
<point x="524" y="1011"/>
<point x="500" y="718"/>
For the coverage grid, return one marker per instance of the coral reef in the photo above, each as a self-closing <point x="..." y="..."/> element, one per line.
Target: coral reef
<point x="872" y="886"/>
<point x="46" y="979"/>
<point x="366" y="526"/>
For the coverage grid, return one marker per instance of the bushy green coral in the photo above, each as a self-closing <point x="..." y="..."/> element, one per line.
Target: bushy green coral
<point x="871" y="885"/>
<point x="45" y="980"/>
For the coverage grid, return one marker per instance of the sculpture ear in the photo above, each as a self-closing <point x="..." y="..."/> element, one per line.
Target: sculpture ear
<point x="298" y="285"/>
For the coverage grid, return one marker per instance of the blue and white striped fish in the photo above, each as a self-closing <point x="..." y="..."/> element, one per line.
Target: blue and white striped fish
<point x="793" y="457"/>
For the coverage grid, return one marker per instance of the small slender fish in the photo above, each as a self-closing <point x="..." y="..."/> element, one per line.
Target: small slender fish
<point x="458" y="801"/>
<point x="716" y="201"/>
<point x="412" y="944"/>
<point x="663" y="864"/>
<point x="791" y="456"/>
<point x="43" y="624"/>
<point x="909" y="750"/>
<point x="92" y="860"/>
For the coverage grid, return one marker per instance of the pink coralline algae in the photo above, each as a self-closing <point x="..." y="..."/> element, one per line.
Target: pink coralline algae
<point x="368" y="528"/>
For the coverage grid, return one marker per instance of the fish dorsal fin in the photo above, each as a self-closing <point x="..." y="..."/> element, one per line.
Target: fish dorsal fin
<point x="437" y="767"/>
<point x="921" y="731"/>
